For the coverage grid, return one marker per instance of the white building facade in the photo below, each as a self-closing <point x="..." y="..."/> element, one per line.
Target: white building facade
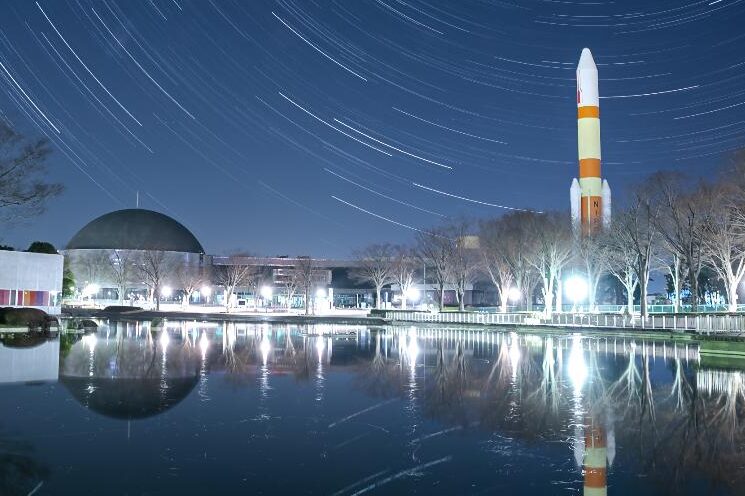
<point x="31" y="280"/>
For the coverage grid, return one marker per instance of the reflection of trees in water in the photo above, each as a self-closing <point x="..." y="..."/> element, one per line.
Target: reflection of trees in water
<point x="693" y="423"/>
<point x="20" y="471"/>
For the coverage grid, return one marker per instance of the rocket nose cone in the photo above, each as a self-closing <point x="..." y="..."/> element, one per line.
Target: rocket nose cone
<point x="586" y="61"/>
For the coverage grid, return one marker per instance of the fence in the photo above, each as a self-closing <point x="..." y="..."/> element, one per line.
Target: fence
<point x="615" y="308"/>
<point x="698" y="323"/>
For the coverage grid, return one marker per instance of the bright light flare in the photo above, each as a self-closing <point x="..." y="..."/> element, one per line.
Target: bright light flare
<point x="412" y="294"/>
<point x="266" y="292"/>
<point x="164" y="339"/>
<point x="91" y="289"/>
<point x="167" y="291"/>
<point x="514" y="295"/>
<point x="576" y="288"/>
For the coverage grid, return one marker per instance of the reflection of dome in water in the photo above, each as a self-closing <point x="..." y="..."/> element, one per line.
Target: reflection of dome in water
<point x="129" y="398"/>
<point x="129" y="378"/>
<point x="135" y="229"/>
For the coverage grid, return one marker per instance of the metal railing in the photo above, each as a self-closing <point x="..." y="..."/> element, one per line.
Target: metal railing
<point x="698" y="323"/>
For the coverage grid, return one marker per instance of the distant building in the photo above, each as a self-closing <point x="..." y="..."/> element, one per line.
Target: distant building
<point x="31" y="280"/>
<point x="99" y="250"/>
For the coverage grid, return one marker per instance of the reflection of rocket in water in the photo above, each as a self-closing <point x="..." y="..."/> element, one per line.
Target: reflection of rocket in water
<point x="595" y="451"/>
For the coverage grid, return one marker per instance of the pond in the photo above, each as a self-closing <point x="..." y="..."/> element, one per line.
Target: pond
<point x="198" y="408"/>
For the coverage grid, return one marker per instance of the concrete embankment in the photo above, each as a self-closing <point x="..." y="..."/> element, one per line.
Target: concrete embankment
<point x="297" y="319"/>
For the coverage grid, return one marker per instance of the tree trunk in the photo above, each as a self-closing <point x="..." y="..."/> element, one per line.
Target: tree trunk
<point x="461" y="300"/>
<point x="643" y="280"/>
<point x="559" y="295"/>
<point x="732" y="295"/>
<point x="442" y="297"/>
<point x="156" y="294"/>
<point x="630" y="287"/>
<point x="676" y="285"/>
<point x="503" y="297"/>
<point x="693" y="284"/>
<point x="307" y="301"/>
<point x="377" y="297"/>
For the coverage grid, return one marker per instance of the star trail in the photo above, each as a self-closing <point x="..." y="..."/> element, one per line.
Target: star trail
<point x="314" y="127"/>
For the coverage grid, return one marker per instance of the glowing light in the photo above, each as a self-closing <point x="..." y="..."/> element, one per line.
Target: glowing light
<point x="166" y="291"/>
<point x="412" y="294"/>
<point x="319" y="347"/>
<point x="266" y="292"/>
<point x="204" y="343"/>
<point x="320" y="293"/>
<point x="91" y="289"/>
<point x="576" y="288"/>
<point x="514" y="294"/>
<point x="265" y="346"/>
<point x="90" y="341"/>
<point x="412" y="351"/>
<point x="577" y="367"/>
<point x="514" y="354"/>
<point x="164" y="339"/>
<point x="206" y="290"/>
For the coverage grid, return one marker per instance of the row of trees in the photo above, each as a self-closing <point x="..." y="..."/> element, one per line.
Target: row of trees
<point x="670" y="225"/>
<point x="154" y="270"/>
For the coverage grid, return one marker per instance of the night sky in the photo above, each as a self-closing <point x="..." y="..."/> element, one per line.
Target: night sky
<point x="315" y="127"/>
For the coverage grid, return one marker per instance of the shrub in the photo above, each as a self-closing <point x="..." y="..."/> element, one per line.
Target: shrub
<point x="31" y="317"/>
<point x="42" y="247"/>
<point x="121" y="308"/>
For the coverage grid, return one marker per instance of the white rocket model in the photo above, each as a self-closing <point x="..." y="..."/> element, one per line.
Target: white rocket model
<point x="590" y="196"/>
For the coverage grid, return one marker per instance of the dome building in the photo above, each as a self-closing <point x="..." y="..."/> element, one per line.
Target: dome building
<point x="133" y="254"/>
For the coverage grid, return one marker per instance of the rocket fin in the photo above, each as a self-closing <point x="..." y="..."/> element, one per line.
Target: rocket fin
<point x="606" y="204"/>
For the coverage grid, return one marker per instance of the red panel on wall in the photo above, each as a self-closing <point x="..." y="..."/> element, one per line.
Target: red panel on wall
<point x="4" y="297"/>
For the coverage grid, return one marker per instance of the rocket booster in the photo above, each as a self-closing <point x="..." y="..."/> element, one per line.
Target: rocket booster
<point x="592" y="209"/>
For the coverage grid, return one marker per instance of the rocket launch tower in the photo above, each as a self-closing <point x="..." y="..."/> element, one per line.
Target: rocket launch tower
<point x="590" y="197"/>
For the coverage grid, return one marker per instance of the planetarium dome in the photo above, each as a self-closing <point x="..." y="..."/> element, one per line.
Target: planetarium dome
<point x="135" y="229"/>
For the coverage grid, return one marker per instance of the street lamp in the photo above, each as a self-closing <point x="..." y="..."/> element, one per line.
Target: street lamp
<point x="266" y="295"/>
<point x="576" y="289"/>
<point x="412" y="294"/>
<point x="514" y="294"/>
<point x="166" y="292"/>
<point x="205" y="292"/>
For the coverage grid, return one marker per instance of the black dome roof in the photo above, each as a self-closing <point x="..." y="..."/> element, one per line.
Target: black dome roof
<point x="135" y="229"/>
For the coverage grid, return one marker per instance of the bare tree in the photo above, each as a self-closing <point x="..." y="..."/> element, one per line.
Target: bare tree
<point x="669" y="262"/>
<point x="374" y="266"/>
<point x="552" y="236"/>
<point x="434" y="248"/>
<point x="307" y="276"/>
<point x="190" y="278"/>
<point x="155" y="267"/>
<point x="404" y="268"/>
<point x="592" y="259"/>
<point x="122" y="265"/>
<point x="636" y="231"/>
<point x="90" y="267"/>
<point x="494" y="242"/>
<point x="725" y="237"/>
<point x="23" y="186"/>
<point x="682" y="215"/>
<point x="621" y="261"/>
<point x="463" y="261"/>
<point x="235" y="273"/>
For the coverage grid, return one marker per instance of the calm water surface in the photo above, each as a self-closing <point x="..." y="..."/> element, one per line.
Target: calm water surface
<point x="276" y="409"/>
